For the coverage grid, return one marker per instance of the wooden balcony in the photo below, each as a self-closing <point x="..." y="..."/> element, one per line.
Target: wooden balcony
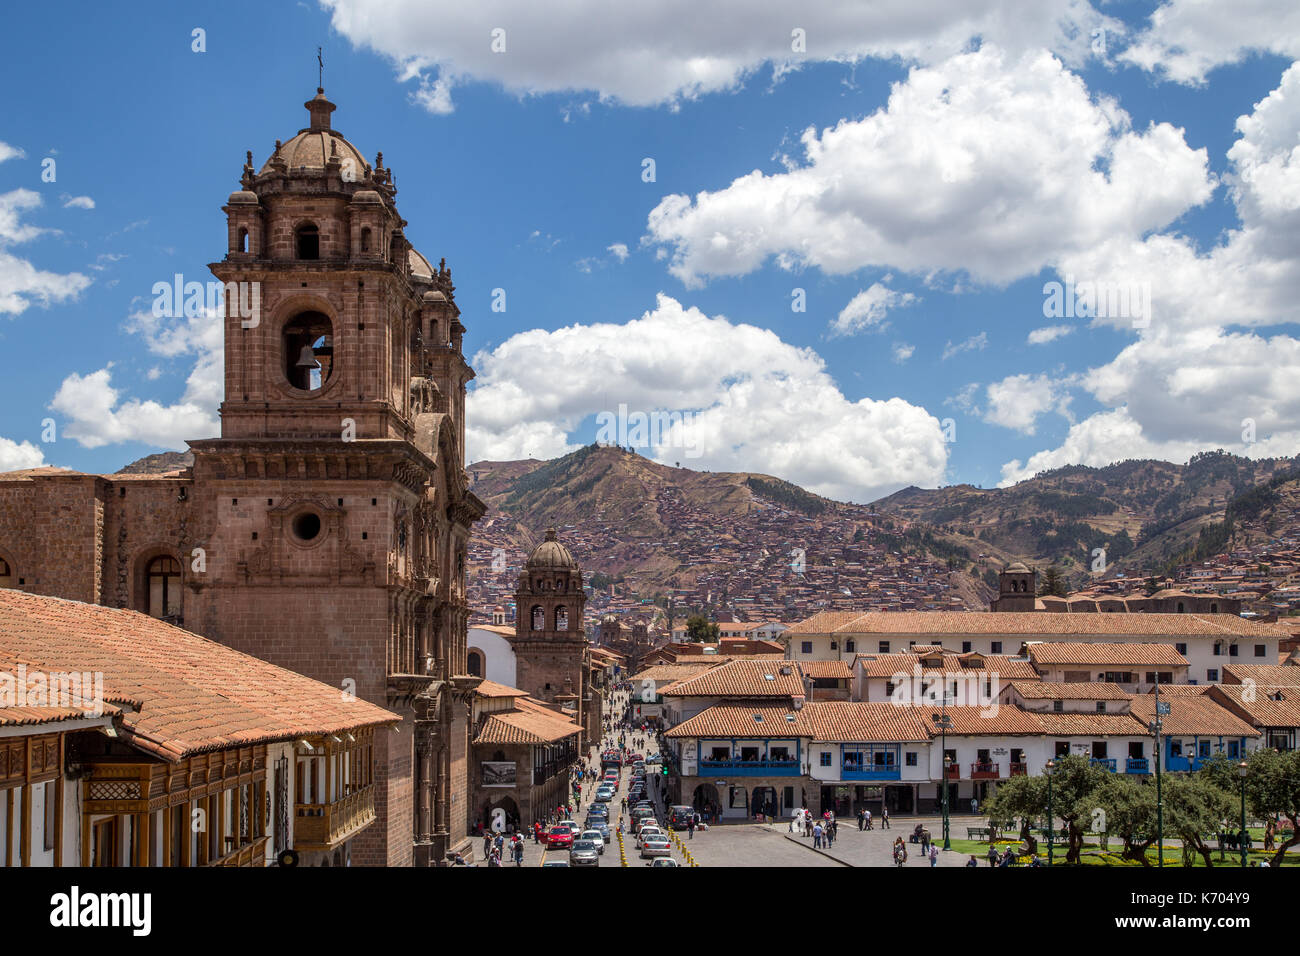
<point x="326" y="826"/>
<point x="1019" y="769"/>
<point x="249" y="855"/>
<point x="984" y="771"/>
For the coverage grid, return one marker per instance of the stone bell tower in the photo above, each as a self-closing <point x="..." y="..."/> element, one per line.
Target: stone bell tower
<point x="550" y="644"/>
<point x="335" y="506"/>
<point x="1017" y="589"/>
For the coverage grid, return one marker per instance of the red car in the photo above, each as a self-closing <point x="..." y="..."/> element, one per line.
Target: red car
<point x="559" y="838"/>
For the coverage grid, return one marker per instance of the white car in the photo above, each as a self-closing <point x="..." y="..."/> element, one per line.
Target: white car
<point x="596" y="837"/>
<point x="663" y="861"/>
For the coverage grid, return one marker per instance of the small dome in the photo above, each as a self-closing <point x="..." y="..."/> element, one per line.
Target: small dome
<point x="242" y="196"/>
<point x="1017" y="568"/>
<point x="313" y="147"/>
<point x="364" y="196"/>
<point x="551" y="554"/>
<point x="419" y="265"/>
<point x="433" y="296"/>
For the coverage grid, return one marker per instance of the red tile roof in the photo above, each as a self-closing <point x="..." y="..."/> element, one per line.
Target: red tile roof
<point x="196" y="695"/>
<point x="742" y="679"/>
<point x="1100" y="653"/>
<point x="1034" y="623"/>
<point x="1059" y="690"/>
<point x="1193" y="716"/>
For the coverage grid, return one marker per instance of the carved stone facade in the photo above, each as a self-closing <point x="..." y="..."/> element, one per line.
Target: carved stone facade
<point x="326" y="529"/>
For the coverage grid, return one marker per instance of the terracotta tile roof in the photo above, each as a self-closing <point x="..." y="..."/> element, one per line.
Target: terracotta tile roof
<point x="531" y="723"/>
<point x="971" y="721"/>
<point x="732" y="721"/>
<point x="1264" y="710"/>
<point x="1005" y="667"/>
<point x="1034" y="623"/>
<point x="31" y="716"/>
<point x="742" y="679"/>
<point x="197" y="695"/>
<point x="1094" y="725"/>
<point x="1194" y="716"/>
<point x="490" y="688"/>
<point x="504" y="630"/>
<point x="1264" y="675"/>
<point x="1104" y="652"/>
<point x="843" y="721"/>
<point x="837" y="670"/>
<point x="1181" y="690"/>
<point x="673" y="672"/>
<point x="1059" y="690"/>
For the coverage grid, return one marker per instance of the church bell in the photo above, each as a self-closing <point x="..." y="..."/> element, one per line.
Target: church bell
<point x="307" y="359"/>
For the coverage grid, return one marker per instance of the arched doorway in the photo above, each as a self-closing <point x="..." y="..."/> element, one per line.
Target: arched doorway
<point x="766" y="801"/>
<point x="501" y="815"/>
<point x="707" y="800"/>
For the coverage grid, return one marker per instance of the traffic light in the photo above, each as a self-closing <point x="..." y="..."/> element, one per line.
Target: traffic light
<point x="664" y="770"/>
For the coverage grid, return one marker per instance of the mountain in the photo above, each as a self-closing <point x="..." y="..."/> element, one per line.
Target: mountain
<point x="1145" y="514"/>
<point x="158" y="464"/>
<point x="708" y="539"/>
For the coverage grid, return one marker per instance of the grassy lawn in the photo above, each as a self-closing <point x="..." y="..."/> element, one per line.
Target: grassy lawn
<point x="1094" y="855"/>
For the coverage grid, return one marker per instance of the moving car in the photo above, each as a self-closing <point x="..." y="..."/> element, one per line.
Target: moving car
<point x="555" y="863"/>
<point x="604" y="794"/>
<point x="663" y="861"/>
<point x="649" y="832"/>
<point x="559" y="837"/>
<point x="585" y="853"/>
<point x="595" y="836"/>
<point x="680" y="817"/>
<point x="656" y="846"/>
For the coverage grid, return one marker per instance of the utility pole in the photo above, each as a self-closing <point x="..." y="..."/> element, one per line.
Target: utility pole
<point x="1156" y="725"/>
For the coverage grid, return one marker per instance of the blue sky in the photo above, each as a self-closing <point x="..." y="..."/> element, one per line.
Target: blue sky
<point x="919" y="178"/>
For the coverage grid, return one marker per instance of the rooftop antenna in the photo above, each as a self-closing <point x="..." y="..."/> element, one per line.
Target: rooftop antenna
<point x="320" y="75"/>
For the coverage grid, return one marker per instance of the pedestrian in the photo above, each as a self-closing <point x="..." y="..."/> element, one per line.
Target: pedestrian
<point x="487" y="844"/>
<point x="934" y="855"/>
<point x="862" y="820"/>
<point x="817" y="837"/>
<point x="690" y="826"/>
<point x="925" y="842"/>
<point x="519" y="853"/>
<point x="993" y="856"/>
<point x="974" y="862"/>
<point x="974" y="805"/>
<point x="830" y="836"/>
<point x="867" y="815"/>
<point x="537" y="832"/>
<point x="884" y="818"/>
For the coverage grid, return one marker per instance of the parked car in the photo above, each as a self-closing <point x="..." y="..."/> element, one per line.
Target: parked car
<point x="585" y="853"/>
<point x="680" y="817"/>
<point x="656" y="846"/>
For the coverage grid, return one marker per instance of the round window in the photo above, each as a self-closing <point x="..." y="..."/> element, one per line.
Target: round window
<point x="306" y="526"/>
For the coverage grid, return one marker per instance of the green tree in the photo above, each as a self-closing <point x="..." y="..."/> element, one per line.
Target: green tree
<point x="1074" y="781"/>
<point x="1151" y="586"/>
<point x="1194" y="806"/>
<point x="701" y="630"/>
<point x="1272" y="789"/>
<point x="1053" y="583"/>
<point x="1022" y="798"/>
<point x="1130" y="813"/>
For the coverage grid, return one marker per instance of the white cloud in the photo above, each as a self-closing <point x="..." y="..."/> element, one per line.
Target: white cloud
<point x="1186" y="39"/>
<point x="17" y="455"/>
<point x="1049" y="333"/>
<point x="976" y="343"/>
<point x="1017" y="401"/>
<point x="1193" y="376"/>
<point x="10" y="152"/>
<point x="992" y="155"/>
<point x="903" y="352"/>
<point x="759" y="404"/>
<point x="965" y="399"/>
<point x="98" y="414"/>
<point x="78" y="202"/>
<point x="867" y="309"/>
<point x="21" y="283"/>
<point x="673" y="50"/>
<point x="619" y="249"/>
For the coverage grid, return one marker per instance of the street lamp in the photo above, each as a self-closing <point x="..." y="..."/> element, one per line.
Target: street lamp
<point x="1242" y="771"/>
<point x="1051" y="765"/>
<point x="944" y="723"/>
